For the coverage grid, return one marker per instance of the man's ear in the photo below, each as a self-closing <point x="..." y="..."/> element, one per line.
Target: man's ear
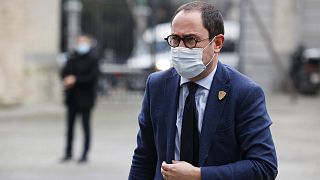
<point x="218" y="43"/>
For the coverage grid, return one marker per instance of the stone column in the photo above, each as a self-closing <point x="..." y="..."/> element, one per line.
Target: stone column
<point x="29" y="32"/>
<point x="41" y="46"/>
<point x="73" y="9"/>
<point x="284" y="26"/>
<point x="11" y="52"/>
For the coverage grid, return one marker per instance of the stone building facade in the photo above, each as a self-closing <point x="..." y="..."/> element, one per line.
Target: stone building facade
<point x="288" y="24"/>
<point x="29" y="32"/>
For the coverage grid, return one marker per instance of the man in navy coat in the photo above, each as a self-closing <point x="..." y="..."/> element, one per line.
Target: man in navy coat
<point x="202" y="119"/>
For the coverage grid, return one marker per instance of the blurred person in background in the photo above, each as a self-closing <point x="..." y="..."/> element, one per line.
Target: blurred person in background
<point x="202" y="119"/>
<point x="80" y="75"/>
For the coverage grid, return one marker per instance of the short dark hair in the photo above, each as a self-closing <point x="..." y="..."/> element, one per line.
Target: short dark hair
<point x="211" y="17"/>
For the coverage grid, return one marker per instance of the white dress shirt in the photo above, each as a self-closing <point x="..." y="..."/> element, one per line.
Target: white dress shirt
<point x="201" y="97"/>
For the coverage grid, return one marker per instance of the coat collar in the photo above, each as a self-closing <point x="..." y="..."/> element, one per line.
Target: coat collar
<point x="213" y="111"/>
<point x="172" y="90"/>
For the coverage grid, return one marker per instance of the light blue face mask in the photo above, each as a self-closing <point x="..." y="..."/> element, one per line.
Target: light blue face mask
<point x="188" y="62"/>
<point x="83" y="48"/>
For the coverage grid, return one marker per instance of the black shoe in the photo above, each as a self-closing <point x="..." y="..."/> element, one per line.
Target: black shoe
<point x="66" y="159"/>
<point x="82" y="160"/>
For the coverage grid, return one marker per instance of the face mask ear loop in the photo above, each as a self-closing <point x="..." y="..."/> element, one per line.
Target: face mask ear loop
<point x="210" y="60"/>
<point x="213" y="52"/>
<point x="209" y="43"/>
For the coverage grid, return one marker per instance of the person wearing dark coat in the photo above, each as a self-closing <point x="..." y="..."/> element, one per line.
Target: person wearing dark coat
<point x="79" y="77"/>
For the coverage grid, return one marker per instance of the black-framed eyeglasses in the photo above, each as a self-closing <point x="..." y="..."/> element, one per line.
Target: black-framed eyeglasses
<point x="189" y="41"/>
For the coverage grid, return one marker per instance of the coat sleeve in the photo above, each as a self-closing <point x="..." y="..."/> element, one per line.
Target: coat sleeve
<point x="145" y="157"/>
<point x="66" y="69"/>
<point x="258" y="156"/>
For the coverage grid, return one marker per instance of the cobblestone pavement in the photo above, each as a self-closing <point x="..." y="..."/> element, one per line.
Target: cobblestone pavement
<point x="32" y="140"/>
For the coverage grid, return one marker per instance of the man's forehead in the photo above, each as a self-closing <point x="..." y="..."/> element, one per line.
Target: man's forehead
<point x="191" y="15"/>
<point x="188" y="23"/>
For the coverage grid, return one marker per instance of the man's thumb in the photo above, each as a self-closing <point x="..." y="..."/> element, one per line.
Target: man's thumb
<point x="175" y="162"/>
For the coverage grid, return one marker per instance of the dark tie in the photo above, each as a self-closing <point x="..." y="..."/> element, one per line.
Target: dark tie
<point x="189" y="149"/>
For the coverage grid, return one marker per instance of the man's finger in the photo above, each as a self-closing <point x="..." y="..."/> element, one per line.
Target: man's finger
<point x="164" y="172"/>
<point x="165" y="166"/>
<point x="175" y="162"/>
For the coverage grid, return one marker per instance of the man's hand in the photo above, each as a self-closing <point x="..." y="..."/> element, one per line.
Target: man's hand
<point x="69" y="81"/>
<point x="180" y="170"/>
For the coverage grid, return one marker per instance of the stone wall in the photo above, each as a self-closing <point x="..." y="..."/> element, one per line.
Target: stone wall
<point x="29" y="32"/>
<point x="308" y="23"/>
<point x="259" y="63"/>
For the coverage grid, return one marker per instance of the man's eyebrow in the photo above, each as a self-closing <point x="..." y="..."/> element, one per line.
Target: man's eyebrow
<point x="187" y="35"/>
<point x="193" y="35"/>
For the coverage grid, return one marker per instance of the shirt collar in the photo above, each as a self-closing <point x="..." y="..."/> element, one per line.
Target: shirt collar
<point x="205" y="82"/>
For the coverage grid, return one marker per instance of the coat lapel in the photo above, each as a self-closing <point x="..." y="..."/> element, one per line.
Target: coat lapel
<point x="213" y="111"/>
<point x="172" y="88"/>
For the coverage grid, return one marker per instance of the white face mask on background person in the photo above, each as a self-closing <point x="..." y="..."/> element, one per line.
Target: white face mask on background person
<point x="83" y="48"/>
<point x="188" y="62"/>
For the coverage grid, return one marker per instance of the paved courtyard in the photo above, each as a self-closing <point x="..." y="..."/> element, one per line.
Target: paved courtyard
<point x="32" y="140"/>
